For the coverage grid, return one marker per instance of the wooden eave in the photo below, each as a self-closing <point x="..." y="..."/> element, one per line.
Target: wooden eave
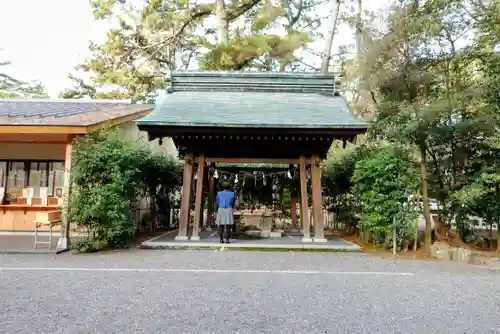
<point x="160" y="131"/>
<point x="74" y="129"/>
<point x="219" y="143"/>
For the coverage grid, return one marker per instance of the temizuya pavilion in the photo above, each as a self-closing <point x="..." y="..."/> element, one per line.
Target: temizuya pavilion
<point x="252" y="117"/>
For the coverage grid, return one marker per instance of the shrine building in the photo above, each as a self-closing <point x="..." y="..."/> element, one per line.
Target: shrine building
<point x="252" y="117"/>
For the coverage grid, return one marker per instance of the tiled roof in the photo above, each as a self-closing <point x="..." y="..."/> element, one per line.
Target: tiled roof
<point x="65" y="112"/>
<point x="236" y="109"/>
<point x="253" y="99"/>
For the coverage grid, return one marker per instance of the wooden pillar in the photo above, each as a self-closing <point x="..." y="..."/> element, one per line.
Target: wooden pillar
<point x="317" y="200"/>
<point x="64" y="240"/>
<point x="303" y="199"/>
<point x="198" y="205"/>
<point x="202" y="216"/>
<point x="211" y="196"/>
<point x="301" y="214"/>
<point x="294" y="213"/>
<point x="293" y="206"/>
<point x="186" y="198"/>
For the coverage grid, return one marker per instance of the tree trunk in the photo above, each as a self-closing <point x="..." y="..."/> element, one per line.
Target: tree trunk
<point x="359" y="31"/>
<point x="222" y="22"/>
<point x="497" y="190"/>
<point x="327" y="53"/>
<point x="416" y="236"/>
<point x="425" y="199"/>
<point x="394" y="236"/>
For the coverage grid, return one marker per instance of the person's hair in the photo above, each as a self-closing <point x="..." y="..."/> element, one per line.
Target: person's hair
<point x="226" y="186"/>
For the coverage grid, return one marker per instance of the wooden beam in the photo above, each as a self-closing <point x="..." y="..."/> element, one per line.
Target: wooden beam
<point x="43" y="129"/>
<point x="64" y="241"/>
<point x="317" y="201"/>
<point x="118" y="121"/>
<point x="255" y="160"/>
<point x="198" y="206"/>
<point x="247" y="132"/>
<point x="294" y="213"/>
<point x="33" y="142"/>
<point x="304" y="203"/>
<point x="71" y="129"/>
<point x="211" y="196"/>
<point x="301" y="218"/>
<point x="186" y="199"/>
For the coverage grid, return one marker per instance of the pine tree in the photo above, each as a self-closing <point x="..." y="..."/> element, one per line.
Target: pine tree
<point x="162" y="36"/>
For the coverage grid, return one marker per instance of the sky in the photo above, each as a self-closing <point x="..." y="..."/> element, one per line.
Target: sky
<point x="46" y="39"/>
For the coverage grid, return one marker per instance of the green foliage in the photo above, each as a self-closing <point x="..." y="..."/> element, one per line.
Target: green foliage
<point x="428" y="74"/>
<point x="337" y="183"/>
<point x="12" y="88"/>
<point x="108" y="174"/>
<point x="154" y="37"/>
<point x="243" y="51"/>
<point x="384" y="179"/>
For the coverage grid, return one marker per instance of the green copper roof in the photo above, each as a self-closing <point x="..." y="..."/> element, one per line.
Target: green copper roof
<point x="253" y="99"/>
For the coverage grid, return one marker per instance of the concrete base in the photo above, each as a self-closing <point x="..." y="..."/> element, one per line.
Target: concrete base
<point x="249" y="246"/>
<point x="181" y="238"/>
<point x="320" y="240"/>
<point x="195" y="238"/>
<point x="275" y="234"/>
<point x="211" y="241"/>
<point x="62" y="243"/>
<point x="255" y="234"/>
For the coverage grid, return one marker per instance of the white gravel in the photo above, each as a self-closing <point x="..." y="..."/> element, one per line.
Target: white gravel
<point x="438" y="298"/>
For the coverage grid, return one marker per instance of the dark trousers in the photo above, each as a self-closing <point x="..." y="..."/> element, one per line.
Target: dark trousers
<point x="225" y="232"/>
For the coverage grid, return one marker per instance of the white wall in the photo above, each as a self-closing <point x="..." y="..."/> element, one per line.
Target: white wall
<point x="132" y="131"/>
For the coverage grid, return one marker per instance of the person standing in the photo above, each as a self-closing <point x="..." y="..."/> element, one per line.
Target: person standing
<point x="225" y="212"/>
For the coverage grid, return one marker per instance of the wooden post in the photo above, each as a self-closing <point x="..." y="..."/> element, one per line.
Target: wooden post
<point x="211" y="196"/>
<point x="394" y="235"/>
<point x="202" y="216"/>
<point x="186" y="198"/>
<point x="293" y="208"/>
<point x="294" y="213"/>
<point x="317" y="199"/>
<point x="64" y="240"/>
<point x="301" y="214"/>
<point x="198" y="206"/>
<point x="303" y="199"/>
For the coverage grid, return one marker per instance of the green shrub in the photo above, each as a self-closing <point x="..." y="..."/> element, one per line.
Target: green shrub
<point x="337" y="184"/>
<point x="383" y="181"/>
<point x="108" y="174"/>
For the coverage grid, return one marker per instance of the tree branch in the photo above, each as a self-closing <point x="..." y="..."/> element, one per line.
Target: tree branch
<point x="233" y="14"/>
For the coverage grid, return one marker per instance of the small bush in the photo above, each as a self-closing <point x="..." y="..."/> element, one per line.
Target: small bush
<point x="108" y="174"/>
<point x="337" y="184"/>
<point x="383" y="181"/>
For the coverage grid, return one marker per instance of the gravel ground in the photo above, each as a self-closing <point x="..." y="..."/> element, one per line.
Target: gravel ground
<point x="261" y="293"/>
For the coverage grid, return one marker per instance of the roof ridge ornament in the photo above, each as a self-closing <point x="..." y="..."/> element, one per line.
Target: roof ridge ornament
<point x="266" y="82"/>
